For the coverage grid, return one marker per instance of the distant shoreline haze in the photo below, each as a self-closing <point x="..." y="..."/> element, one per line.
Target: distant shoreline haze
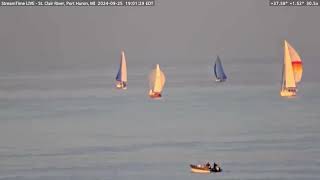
<point x="41" y="39"/>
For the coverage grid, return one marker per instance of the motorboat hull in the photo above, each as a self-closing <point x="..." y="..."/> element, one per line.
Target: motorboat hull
<point x="202" y="169"/>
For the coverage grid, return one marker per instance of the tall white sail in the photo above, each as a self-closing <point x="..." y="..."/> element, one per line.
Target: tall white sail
<point x="289" y="76"/>
<point x="121" y="77"/>
<point x="124" y="76"/>
<point x="157" y="80"/>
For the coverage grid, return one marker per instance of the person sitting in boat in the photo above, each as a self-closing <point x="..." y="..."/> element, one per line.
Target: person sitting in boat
<point x="208" y="165"/>
<point x="216" y="167"/>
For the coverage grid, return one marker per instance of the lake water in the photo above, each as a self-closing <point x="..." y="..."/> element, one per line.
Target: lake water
<point x="73" y="123"/>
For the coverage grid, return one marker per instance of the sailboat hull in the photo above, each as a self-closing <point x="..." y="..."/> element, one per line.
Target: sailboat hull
<point x="286" y="93"/>
<point x="121" y="85"/>
<point x="154" y="95"/>
<point x="220" y="80"/>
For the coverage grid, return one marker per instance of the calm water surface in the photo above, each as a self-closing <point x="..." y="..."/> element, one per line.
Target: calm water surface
<point x="73" y="124"/>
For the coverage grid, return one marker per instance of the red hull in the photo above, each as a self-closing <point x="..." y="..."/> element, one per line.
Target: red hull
<point x="155" y="95"/>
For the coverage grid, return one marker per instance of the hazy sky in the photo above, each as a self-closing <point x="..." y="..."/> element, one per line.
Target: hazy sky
<point x="41" y="37"/>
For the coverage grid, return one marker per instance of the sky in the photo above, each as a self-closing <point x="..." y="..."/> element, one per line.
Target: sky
<point x="49" y="38"/>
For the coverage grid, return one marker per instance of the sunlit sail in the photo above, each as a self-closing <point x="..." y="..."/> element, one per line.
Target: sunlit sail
<point x="157" y="80"/>
<point x="288" y="84"/>
<point x="296" y="63"/>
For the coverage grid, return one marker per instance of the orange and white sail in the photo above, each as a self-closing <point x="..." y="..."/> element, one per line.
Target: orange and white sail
<point x="157" y="80"/>
<point x="288" y="85"/>
<point x="296" y="63"/>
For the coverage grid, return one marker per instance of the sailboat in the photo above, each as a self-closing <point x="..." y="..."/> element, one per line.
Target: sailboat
<point x="218" y="71"/>
<point x="291" y="71"/>
<point x="157" y="80"/>
<point x="121" y="78"/>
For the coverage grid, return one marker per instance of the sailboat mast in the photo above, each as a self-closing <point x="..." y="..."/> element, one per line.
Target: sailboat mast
<point x="283" y="78"/>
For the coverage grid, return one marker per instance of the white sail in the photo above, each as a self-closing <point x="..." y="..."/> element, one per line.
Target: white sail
<point x="289" y="76"/>
<point x="121" y="77"/>
<point x="157" y="80"/>
<point x="124" y="77"/>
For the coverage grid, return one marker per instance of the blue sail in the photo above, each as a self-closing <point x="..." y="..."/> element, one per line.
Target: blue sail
<point x="218" y="70"/>
<point x="118" y="78"/>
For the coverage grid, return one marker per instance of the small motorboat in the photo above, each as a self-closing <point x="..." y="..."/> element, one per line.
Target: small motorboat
<point x="205" y="169"/>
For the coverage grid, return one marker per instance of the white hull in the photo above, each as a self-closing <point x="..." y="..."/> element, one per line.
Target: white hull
<point x="285" y="93"/>
<point x="201" y="171"/>
<point x="120" y="85"/>
<point x="219" y="80"/>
